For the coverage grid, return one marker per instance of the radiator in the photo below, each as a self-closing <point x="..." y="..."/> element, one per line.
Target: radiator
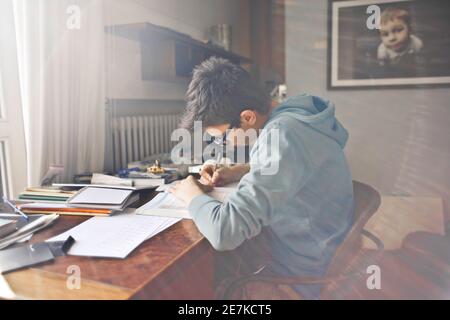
<point x="136" y="137"/>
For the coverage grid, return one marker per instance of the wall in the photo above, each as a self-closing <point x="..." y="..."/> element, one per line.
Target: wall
<point x="192" y="17"/>
<point x="267" y="41"/>
<point x="399" y="138"/>
<point x="127" y="92"/>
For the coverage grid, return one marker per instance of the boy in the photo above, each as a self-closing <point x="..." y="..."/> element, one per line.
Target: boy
<point x="306" y="203"/>
<point x="398" y="42"/>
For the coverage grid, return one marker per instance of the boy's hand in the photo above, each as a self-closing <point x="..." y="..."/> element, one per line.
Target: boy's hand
<point x="220" y="176"/>
<point x="187" y="189"/>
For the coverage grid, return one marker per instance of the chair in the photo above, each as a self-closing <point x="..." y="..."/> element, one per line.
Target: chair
<point x="367" y="201"/>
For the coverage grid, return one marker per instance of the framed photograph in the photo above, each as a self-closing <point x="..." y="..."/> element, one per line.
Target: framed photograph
<point x="388" y="43"/>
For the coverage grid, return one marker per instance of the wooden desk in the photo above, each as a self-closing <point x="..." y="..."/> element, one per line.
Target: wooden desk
<point x="176" y="264"/>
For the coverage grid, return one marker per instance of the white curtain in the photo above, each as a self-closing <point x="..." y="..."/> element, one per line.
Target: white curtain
<point x="61" y="65"/>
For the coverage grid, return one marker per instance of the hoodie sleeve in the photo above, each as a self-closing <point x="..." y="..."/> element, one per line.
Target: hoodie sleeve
<point x="278" y="168"/>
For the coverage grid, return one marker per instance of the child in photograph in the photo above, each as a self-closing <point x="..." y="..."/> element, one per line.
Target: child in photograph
<point x="398" y="42"/>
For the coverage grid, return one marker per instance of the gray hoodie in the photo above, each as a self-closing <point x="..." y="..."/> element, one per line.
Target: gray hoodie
<point x="299" y="186"/>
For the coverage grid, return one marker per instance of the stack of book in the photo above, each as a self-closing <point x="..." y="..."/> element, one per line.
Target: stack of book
<point x="89" y="201"/>
<point x="50" y="200"/>
<point x="47" y="195"/>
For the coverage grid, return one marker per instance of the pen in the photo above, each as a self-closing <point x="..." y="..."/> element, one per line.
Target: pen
<point x="218" y="160"/>
<point x="8" y="215"/>
<point x="17" y="210"/>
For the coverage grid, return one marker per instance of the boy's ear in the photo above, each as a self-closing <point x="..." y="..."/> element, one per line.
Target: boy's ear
<point x="248" y="117"/>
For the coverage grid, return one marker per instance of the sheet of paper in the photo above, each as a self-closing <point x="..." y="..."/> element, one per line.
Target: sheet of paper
<point x="195" y="169"/>
<point x="166" y="225"/>
<point x="101" y="196"/>
<point x="166" y="187"/>
<point x="98" y="178"/>
<point x="166" y="205"/>
<point x="111" y="237"/>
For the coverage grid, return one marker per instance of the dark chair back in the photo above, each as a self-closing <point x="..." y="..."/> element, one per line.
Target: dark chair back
<point x="367" y="201"/>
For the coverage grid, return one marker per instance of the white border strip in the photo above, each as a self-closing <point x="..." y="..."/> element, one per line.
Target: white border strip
<point x="7" y="184"/>
<point x="2" y="102"/>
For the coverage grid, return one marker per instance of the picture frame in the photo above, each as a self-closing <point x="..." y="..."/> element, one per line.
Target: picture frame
<point x="405" y="43"/>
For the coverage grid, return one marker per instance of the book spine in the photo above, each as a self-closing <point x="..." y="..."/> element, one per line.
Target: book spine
<point x="66" y="210"/>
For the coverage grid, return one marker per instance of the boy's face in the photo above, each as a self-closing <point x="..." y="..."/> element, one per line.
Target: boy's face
<point x="395" y="34"/>
<point x="247" y="133"/>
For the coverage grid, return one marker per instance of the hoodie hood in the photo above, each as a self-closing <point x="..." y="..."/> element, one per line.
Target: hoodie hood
<point x="317" y="113"/>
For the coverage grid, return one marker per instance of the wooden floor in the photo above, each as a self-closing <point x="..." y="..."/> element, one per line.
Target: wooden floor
<point x="419" y="270"/>
<point x="416" y="261"/>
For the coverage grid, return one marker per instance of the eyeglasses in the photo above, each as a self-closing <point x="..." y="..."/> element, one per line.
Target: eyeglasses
<point x="222" y="140"/>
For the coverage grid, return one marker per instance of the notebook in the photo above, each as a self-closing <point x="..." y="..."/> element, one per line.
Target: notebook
<point x="103" y="198"/>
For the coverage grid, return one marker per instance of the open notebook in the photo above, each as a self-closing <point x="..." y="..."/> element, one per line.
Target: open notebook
<point x="166" y="205"/>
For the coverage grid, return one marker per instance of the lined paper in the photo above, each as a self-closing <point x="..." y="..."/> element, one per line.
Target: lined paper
<point x="113" y="237"/>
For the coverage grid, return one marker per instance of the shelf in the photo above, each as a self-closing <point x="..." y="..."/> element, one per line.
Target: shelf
<point x="150" y="35"/>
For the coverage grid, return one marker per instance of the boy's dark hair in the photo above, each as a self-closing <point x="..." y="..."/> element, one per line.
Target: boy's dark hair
<point x="219" y="92"/>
